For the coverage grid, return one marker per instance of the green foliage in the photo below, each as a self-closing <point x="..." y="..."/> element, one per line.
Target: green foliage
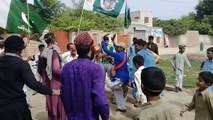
<point x="2" y="31"/>
<point x="205" y="7"/>
<point x="70" y="20"/>
<point x="171" y="27"/>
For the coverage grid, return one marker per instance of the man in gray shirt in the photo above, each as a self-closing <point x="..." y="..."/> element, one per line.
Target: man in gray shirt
<point x="178" y="62"/>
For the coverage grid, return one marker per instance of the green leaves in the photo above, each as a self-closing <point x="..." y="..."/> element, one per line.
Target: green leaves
<point x="171" y="27"/>
<point x="70" y="20"/>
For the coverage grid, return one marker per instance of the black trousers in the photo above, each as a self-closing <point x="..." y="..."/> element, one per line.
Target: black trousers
<point x="15" y="111"/>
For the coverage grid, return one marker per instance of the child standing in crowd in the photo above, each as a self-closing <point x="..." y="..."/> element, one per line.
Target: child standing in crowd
<point x="178" y="62"/>
<point x="154" y="81"/>
<point x="140" y="97"/>
<point x="202" y="101"/>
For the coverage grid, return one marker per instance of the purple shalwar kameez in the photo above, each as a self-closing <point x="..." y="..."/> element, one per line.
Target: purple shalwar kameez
<point x="54" y="104"/>
<point x="82" y="91"/>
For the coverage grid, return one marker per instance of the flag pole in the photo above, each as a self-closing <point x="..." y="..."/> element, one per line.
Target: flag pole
<point x="28" y="18"/>
<point x="28" y="26"/>
<point x="82" y="12"/>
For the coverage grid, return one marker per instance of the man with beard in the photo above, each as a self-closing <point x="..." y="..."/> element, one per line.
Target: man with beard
<point x="82" y="88"/>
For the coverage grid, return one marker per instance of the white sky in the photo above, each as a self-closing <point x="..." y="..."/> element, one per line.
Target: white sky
<point x="164" y="9"/>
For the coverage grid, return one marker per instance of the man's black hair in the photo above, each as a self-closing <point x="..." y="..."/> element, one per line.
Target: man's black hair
<point x="151" y="37"/>
<point x="68" y="45"/>
<point x="41" y="46"/>
<point x="139" y="60"/>
<point x="14" y="44"/>
<point x="83" y="50"/>
<point x="49" y="37"/>
<point x="134" y="39"/>
<point x="210" y="49"/>
<point x="207" y="77"/>
<point x="154" y="80"/>
<point x="140" y="42"/>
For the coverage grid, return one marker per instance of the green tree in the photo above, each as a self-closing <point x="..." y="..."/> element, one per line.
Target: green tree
<point x="204" y="7"/>
<point x="171" y="27"/>
<point x="70" y="20"/>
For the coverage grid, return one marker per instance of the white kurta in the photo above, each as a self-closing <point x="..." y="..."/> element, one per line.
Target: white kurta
<point x="137" y="77"/>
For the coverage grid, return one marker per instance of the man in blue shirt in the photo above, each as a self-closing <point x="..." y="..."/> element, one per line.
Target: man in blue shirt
<point x="208" y="63"/>
<point x="140" y="48"/>
<point x="119" y="81"/>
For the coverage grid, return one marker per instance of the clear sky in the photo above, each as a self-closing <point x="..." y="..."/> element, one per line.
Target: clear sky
<point x="163" y="9"/>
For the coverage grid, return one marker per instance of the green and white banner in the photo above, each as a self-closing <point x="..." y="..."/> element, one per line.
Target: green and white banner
<point x="15" y="18"/>
<point x="36" y="3"/>
<point x="107" y="7"/>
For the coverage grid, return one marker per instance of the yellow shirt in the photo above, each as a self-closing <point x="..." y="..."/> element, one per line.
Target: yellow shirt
<point x="156" y="110"/>
<point x="202" y="102"/>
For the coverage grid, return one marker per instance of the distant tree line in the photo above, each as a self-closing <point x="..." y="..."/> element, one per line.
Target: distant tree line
<point x="201" y="21"/>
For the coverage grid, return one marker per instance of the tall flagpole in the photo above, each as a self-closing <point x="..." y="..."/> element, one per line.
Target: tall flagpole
<point x="28" y="18"/>
<point x="82" y="12"/>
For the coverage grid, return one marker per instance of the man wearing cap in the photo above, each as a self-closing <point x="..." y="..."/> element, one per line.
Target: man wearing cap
<point x="49" y="67"/>
<point x="14" y="73"/>
<point x="120" y="79"/>
<point x="82" y="89"/>
<point x="208" y="63"/>
<point x="178" y="62"/>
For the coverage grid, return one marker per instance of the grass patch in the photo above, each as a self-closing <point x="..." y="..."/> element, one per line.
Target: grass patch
<point x="189" y="79"/>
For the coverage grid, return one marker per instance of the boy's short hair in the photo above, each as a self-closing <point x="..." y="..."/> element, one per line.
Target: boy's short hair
<point x="154" y="80"/>
<point x="139" y="60"/>
<point x="207" y="77"/>
<point x="41" y="46"/>
<point x="210" y="50"/>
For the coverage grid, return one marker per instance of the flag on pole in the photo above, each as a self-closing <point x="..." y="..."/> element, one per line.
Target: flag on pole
<point x="14" y="18"/>
<point x="36" y="3"/>
<point x="107" y="7"/>
<point x="127" y="18"/>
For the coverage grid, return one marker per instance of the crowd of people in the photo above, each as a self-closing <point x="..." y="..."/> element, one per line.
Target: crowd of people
<point x="74" y="82"/>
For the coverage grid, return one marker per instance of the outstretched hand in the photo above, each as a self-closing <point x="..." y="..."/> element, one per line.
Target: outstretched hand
<point x="56" y="92"/>
<point x="183" y="110"/>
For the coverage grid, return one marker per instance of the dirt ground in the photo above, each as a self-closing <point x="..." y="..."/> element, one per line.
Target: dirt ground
<point x="178" y="100"/>
<point x="38" y="109"/>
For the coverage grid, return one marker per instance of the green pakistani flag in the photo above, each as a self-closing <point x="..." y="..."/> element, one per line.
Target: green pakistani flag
<point x="127" y="18"/>
<point x="107" y="7"/>
<point x="36" y="3"/>
<point x="14" y="18"/>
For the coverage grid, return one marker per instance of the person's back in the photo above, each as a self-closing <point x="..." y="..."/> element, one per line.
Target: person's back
<point x="79" y="75"/>
<point x="8" y="66"/>
<point x="14" y="73"/>
<point x="154" y="80"/>
<point x="149" y="60"/>
<point x="83" y="93"/>
<point x="156" y="110"/>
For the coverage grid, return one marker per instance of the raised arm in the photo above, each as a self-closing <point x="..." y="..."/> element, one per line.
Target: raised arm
<point x="31" y="81"/>
<point x="104" y="47"/>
